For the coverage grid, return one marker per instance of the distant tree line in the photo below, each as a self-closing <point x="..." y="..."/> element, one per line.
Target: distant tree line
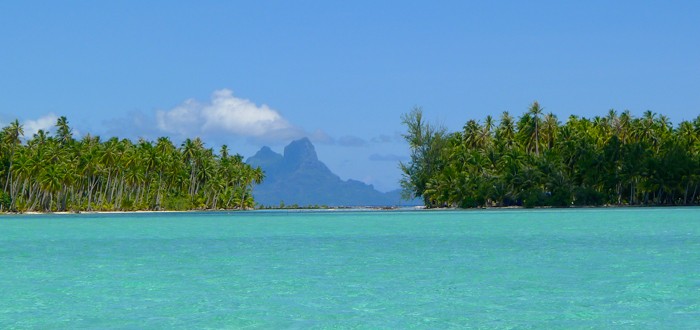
<point x="535" y="160"/>
<point x="59" y="173"/>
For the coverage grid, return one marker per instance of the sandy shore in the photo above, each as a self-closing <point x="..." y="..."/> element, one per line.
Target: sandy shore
<point x="103" y="212"/>
<point x="417" y="208"/>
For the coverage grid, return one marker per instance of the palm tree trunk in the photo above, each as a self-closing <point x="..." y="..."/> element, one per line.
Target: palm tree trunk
<point x="537" y="139"/>
<point x="35" y="196"/>
<point x="160" y="180"/>
<point x="9" y="168"/>
<point x="91" y="186"/>
<point x="103" y="197"/>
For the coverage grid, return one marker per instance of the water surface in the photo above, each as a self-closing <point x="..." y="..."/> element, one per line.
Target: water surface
<point x="581" y="268"/>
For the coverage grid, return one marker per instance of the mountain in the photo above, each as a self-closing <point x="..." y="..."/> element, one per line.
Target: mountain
<point x="299" y="177"/>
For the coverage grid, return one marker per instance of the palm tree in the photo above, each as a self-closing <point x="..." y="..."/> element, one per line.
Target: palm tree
<point x="550" y="130"/>
<point x="473" y="135"/>
<point x="505" y="133"/>
<point x="64" y="134"/>
<point x="59" y="173"/>
<point x="223" y="152"/>
<point x="614" y="159"/>
<point x="11" y="137"/>
<point x="536" y="111"/>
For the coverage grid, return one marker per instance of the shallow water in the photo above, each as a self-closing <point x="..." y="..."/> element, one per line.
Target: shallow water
<point x="582" y="268"/>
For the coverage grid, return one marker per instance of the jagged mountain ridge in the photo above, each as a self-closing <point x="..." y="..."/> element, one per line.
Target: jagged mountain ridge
<point x="299" y="177"/>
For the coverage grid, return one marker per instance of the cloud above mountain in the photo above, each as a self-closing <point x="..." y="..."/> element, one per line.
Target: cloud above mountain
<point x="226" y="113"/>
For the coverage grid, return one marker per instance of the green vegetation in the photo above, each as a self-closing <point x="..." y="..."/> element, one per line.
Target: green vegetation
<point x="537" y="161"/>
<point x="59" y="173"/>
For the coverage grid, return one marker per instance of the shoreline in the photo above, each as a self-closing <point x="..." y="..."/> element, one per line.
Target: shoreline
<point x="109" y="212"/>
<point x="354" y="208"/>
<point x="90" y="212"/>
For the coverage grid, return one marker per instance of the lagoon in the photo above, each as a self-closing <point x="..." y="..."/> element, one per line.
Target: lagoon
<point x="545" y="268"/>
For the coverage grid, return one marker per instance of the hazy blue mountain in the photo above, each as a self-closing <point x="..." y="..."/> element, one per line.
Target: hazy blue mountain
<point x="298" y="177"/>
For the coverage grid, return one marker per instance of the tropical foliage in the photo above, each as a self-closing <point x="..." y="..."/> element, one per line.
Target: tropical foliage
<point x="59" y="173"/>
<point x="535" y="160"/>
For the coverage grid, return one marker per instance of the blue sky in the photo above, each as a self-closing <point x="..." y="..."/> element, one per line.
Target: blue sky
<point x="258" y="73"/>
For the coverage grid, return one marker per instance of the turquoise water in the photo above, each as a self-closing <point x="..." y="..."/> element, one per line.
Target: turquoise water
<point x="582" y="268"/>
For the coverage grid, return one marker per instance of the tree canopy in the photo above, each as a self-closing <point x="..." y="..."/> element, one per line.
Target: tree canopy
<point x="59" y="173"/>
<point x="535" y="160"/>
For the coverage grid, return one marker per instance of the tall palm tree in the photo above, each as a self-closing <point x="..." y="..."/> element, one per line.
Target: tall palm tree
<point x="64" y="134"/>
<point x="11" y="137"/>
<point x="505" y="133"/>
<point x="536" y="111"/>
<point x="550" y="130"/>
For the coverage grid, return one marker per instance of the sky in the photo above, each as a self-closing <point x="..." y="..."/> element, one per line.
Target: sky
<point x="342" y="73"/>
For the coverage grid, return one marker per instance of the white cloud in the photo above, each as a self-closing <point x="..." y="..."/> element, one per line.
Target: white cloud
<point x="225" y="114"/>
<point x="320" y="136"/>
<point x="184" y="119"/>
<point x="32" y="126"/>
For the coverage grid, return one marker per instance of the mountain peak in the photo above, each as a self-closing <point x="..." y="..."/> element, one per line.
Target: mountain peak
<point x="299" y="177"/>
<point x="265" y="157"/>
<point x="300" y="151"/>
<point x="265" y="152"/>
